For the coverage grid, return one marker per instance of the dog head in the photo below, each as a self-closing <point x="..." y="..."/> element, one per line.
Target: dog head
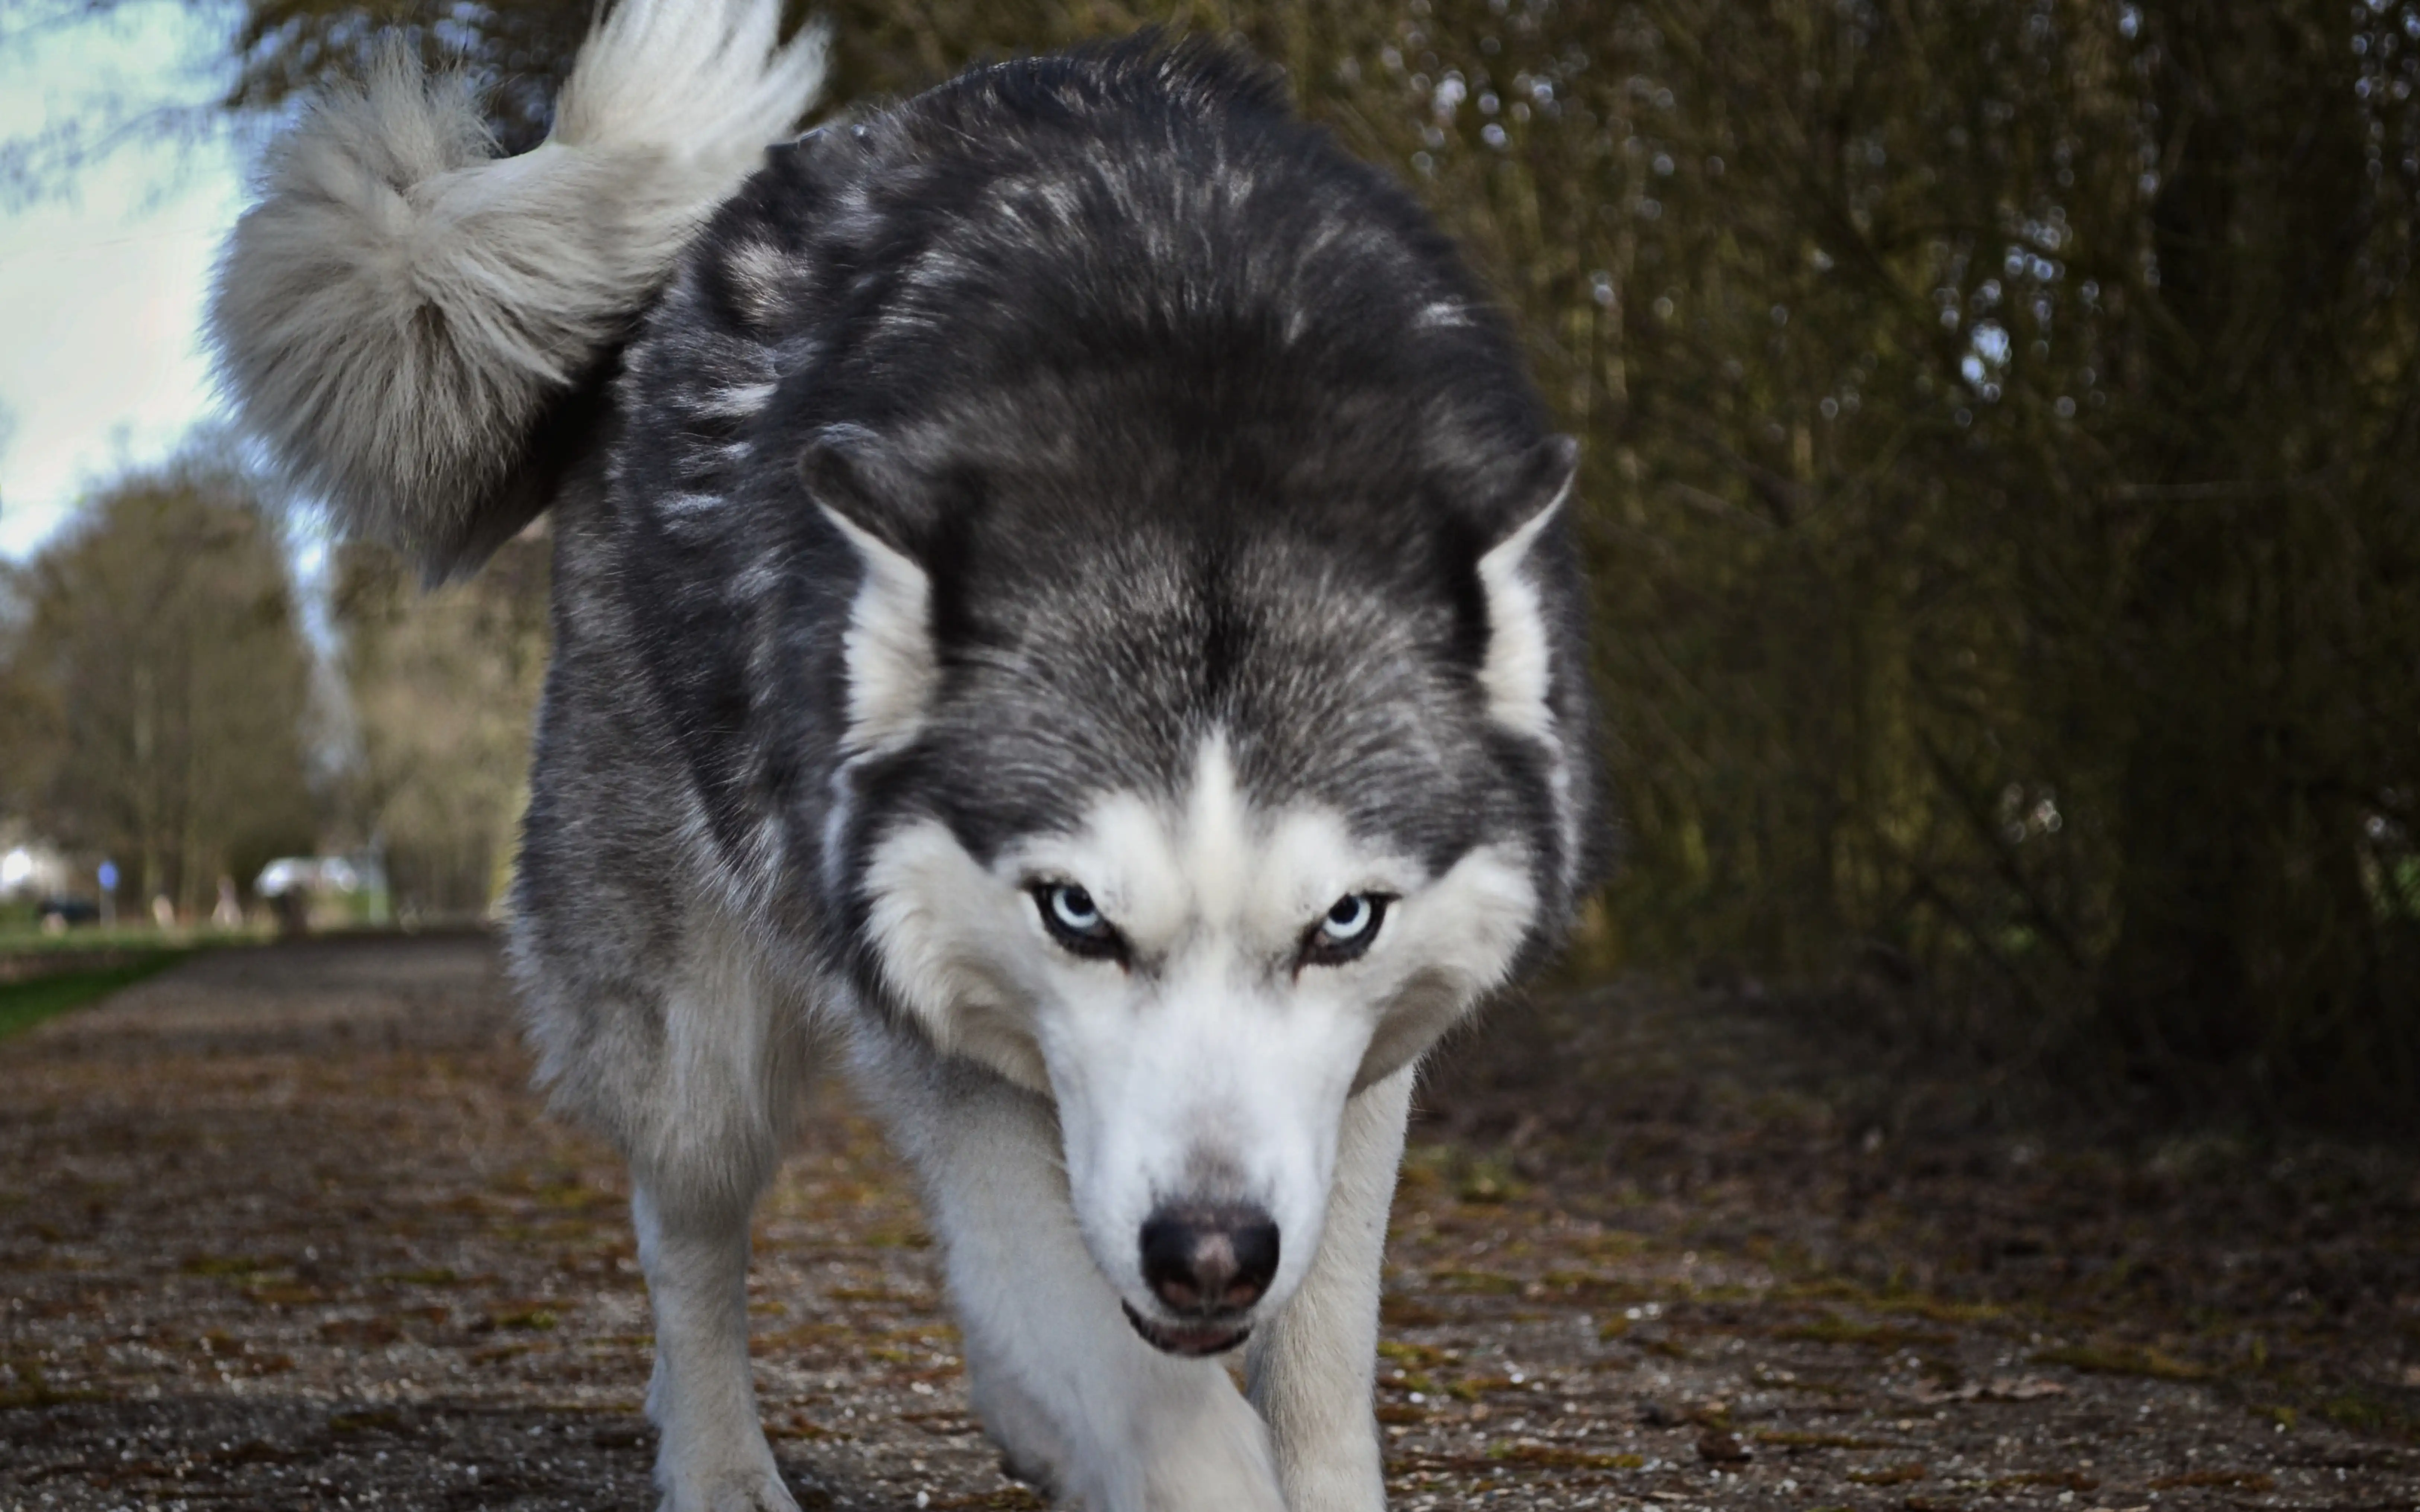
<point x="1197" y="816"/>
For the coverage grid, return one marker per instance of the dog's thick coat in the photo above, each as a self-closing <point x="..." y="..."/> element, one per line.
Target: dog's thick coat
<point x="1064" y="596"/>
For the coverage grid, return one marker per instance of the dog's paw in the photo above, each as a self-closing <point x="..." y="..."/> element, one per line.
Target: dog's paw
<point x="1034" y="1473"/>
<point x="1343" y="1473"/>
<point x="1031" y="1449"/>
<point x="1210" y="1452"/>
<point x="1339" y="1490"/>
<point x="759" y="1494"/>
<point x="743" y="1482"/>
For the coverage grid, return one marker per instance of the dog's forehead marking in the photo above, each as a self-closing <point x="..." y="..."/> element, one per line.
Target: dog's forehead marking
<point x="1210" y="863"/>
<point x="1216" y="842"/>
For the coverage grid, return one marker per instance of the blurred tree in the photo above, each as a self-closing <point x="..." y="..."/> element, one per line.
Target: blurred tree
<point x="29" y="721"/>
<point x="2000" y="471"/>
<point x="441" y="687"/>
<point x="2005" y="497"/>
<point x="158" y="686"/>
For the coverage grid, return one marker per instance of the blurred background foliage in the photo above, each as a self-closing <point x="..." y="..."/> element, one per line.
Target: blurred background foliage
<point x="156" y="689"/>
<point x="442" y="689"/>
<point x="2000" y="423"/>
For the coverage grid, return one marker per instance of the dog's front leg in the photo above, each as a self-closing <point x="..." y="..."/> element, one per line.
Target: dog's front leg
<point x="1061" y="1379"/>
<point x="1312" y="1367"/>
<point x="701" y="1398"/>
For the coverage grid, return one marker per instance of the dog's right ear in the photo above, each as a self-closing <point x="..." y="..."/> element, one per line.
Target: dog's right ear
<point x="1518" y="674"/>
<point x="888" y="648"/>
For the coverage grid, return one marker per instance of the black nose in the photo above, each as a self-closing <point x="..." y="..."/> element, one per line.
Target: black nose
<point x="1209" y="1260"/>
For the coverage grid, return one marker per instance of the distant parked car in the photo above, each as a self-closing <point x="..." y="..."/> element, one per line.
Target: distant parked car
<point x="57" y="913"/>
<point x="297" y="886"/>
<point x="306" y="873"/>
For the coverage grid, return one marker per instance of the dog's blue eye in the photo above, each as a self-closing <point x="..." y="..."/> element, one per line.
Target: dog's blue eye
<point x="1073" y="908"/>
<point x="1347" y="931"/>
<point x="1074" y="919"/>
<point x="1351" y="916"/>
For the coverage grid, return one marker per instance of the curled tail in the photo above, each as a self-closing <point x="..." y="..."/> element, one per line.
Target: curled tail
<point x="404" y="315"/>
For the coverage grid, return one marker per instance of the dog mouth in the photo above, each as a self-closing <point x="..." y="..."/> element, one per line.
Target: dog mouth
<point x="1196" y="1343"/>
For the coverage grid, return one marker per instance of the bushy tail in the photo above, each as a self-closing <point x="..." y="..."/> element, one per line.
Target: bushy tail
<point x="399" y="312"/>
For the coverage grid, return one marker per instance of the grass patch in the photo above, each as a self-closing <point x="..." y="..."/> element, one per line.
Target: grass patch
<point x="2233" y="1480"/>
<point x="24" y="1004"/>
<point x="2363" y="1412"/>
<point x="1014" y="1499"/>
<point x="234" y="1267"/>
<point x="877" y="1296"/>
<point x="2066" y="1480"/>
<point x="1782" y="1439"/>
<point x="87" y="938"/>
<point x="1556" y="1456"/>
<point x="2120" y="1360"/>
<point x="28" y="1389"/>
<point x="1905" y="1303"/>
<point x="435" y="1275"/>
<point x="1832" y="1329"/>
<point x="1486" y="1283"/>
<point x="1790" y="1380"/>
<point x="1604" y="1287"/>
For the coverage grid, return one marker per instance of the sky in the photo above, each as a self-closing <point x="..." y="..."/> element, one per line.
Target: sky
<point x="102" y="288"/>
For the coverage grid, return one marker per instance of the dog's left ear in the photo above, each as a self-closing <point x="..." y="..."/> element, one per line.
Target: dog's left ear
<point x="1518" y="670"/>
<point x="888" y="649"/>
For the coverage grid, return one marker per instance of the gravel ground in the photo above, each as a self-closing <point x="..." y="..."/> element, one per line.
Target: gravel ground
<point x="284" y="1227"/>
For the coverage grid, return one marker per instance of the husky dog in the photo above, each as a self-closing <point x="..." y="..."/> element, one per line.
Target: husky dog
<point x="1063" y="598"/>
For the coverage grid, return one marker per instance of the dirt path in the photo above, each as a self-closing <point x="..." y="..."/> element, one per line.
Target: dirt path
<point x="284" y="1229"/>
